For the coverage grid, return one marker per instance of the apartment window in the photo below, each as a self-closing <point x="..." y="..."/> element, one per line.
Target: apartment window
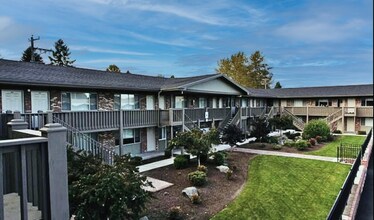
<point x="202" y="103"/>
<point x="367" y="102"/>
<point x="79" y="101"/>
<point x="131" y="136"/>
<point x="324" y="102"/>
<point x="179" y="102"/>
<point x="162" y="133"/>
<point x="367" y="122"/>
<point x="126" y="101"/>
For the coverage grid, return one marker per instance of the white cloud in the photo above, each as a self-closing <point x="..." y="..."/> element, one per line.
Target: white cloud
<point x="101" y="50"/>
<point x="173" y="42"/>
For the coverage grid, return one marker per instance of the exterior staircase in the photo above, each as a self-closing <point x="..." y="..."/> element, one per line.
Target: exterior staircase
<point x="81" y="141"/>
<point x="296" y="121"/>
<point x="230" y="120"/>
<point x="333" y="118"/>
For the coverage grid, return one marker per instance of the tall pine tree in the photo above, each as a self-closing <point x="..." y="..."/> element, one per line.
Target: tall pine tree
<point x="26" y="56"/>
<point x="60" y="56"/>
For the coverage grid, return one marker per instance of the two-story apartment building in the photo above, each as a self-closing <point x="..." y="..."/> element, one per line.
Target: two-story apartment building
<point x="348" y="108"/>
<point x="128" y="112"/>
<point x="137" y="113"/>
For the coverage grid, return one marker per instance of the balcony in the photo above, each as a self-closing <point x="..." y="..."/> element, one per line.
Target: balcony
<point x="175" y="116"/>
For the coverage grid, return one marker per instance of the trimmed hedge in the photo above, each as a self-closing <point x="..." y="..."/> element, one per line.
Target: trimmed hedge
<point x="316" y="128"/>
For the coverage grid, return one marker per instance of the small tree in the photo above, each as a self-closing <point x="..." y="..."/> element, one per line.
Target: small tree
<point x="113" y="68"/>
<point x="231" y="135"/>
<point x="101" y="191"/>
<point x="196" y="142"/>
<point x="26" y="56"/>
<point x="60" y="56"/>
<point x="261" y="129"/>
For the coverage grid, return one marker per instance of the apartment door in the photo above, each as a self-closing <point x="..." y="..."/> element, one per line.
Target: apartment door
<point x="151" y="139"/>
<point x="161" y="102"/>
<point x="350" y="124"/>
<point x="150" y="102"/>
<point x="39" y="101"/>
<point x="12" y="100"/>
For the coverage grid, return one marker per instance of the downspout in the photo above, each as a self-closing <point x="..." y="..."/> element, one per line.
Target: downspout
<point x="159" y="112"/>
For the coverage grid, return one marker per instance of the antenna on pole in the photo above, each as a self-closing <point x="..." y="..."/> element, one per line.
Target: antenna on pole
<point x="33" y="48"/>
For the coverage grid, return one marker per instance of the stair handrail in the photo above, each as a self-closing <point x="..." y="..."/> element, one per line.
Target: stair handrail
<point x="225" y="121"/>
<point x="189" y="122"/>
<point x="331" y="118"/>
<point x="235" y="119"/>
<point x="105" y="153"/>
<point x="296" y="120"/>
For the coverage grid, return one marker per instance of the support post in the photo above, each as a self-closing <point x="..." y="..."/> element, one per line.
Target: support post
<point x="57" y="170"/>
<point x="16" y="124"/>
<point x="120" y="132"/>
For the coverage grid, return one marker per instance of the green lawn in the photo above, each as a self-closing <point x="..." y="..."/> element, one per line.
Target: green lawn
<point x="287" y="188"/>
<point x="329" y="149"/>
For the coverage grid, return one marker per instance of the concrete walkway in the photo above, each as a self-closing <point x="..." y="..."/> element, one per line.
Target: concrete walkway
<point x="284" y="154"/>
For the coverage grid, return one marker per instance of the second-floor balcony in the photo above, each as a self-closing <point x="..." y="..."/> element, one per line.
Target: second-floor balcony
<point x="321" y="111"/>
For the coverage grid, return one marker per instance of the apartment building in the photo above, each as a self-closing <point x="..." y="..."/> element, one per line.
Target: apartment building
<point x="133" y="113"/>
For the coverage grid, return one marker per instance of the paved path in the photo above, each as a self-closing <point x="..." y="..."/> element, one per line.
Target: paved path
<point x="283" y="154"/>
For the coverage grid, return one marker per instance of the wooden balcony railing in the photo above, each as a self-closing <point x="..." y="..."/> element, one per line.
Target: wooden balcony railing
<point x="364" y="111"/>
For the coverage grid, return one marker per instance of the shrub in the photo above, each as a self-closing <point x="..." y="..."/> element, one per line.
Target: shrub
<point x="175" y="213"/>
<point x="229" y="174"/>
<point x="312" y="141"/>
<point x="289" y="143"/>
<point x="167" y="153"/>
<point x="337" y="132"/>
<point x="180" y="162"/>
<point x="219" y="158"/>
<point x="361" y="132"/>
<point x="316" y="128"/>
<point x="197" y="178"/>
<point x="277" y="146"/>
<point x="272" y="140"/>
<point x="301" y="145"/>
<point x="136" y="161"/>
<point x="91" y="181"/>
<point x="318" y="139"/>
<point x="195" y="199"/>
<point x="202" y="168"/>
<point x="203" y="158"/>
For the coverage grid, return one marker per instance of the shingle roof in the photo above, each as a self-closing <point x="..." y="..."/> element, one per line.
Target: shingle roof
<point x="313" y="92"/>
<point x="17" y="72"/>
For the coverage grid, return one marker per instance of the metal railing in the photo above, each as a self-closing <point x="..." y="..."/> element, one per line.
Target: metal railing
<point x="341" y="200"/>
<point x="82" y="141"/>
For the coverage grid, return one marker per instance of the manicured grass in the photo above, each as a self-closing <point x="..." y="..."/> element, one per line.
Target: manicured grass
<point x="287" y="188"/>
<point x="329" y="150"/>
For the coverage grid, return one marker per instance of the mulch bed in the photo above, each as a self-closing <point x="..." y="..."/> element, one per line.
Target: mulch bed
<point x="215" y="195"/>
<point x="267" y="146"/>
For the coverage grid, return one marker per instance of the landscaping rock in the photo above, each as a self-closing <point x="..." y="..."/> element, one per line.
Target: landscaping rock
<point x="190" y="191"/>
<point x="223" y="169"/>
<point x="144" y="218"/>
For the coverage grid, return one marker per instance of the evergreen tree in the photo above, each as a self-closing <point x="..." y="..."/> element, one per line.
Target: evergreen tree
<point x="113" y="68"/>
<point x="277" y="85"/>
<point x="259" y="71"/>
<point x="26" y="56"/>
<point x="60" y="56"/>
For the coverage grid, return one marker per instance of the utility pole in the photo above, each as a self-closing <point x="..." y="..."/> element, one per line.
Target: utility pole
<point x="33" y="48"/>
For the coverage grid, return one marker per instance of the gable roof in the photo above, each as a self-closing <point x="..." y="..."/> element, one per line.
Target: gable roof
<point x="25" y="73"/>
<point x="183" y="85"/>
<point x="315" y="92"/>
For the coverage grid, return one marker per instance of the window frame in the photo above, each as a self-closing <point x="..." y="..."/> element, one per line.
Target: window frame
<point x="67" y="101"/>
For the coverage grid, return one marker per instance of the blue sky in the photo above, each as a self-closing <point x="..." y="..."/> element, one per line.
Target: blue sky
<point x="308" y="43"/>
